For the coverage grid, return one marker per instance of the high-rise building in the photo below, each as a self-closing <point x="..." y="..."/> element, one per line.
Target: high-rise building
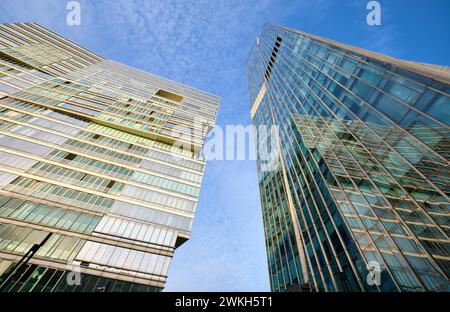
<point x="358" y="198"/>
<point x="99" y="167"/>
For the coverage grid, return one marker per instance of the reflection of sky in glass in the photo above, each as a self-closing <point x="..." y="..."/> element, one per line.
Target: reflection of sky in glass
<point x="205" y="44"/>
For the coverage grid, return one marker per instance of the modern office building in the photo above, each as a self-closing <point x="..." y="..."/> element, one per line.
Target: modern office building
<point x="99" y="167"/>
<point x="358" y="199"/>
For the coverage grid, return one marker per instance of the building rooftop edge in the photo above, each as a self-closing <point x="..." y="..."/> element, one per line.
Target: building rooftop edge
<point x="437" y="72"/>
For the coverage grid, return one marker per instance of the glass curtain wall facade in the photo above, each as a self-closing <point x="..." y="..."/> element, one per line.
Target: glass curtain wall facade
<point x="359" y="197"/>
<point x="100" y="158"/>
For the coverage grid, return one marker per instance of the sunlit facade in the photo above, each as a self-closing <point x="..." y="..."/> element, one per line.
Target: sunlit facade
<point x="99" y="167"/>
<point x="362" y="178"/>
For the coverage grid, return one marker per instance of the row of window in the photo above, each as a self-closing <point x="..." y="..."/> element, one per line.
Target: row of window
<point x="102" y="184"/>
<point x="148" y="81"/>
<point x="26" y="96"/>
<point x="50" y="93"/>
<point x="165" y="183"/>
<point x="17" y="162"/>
<point x="53" y="125"/>
<point x="137" y="231"/>
<point x="144" y="115"/>
<point x="186" y="137"/>
<point x="46" y="112"/>
<point x="47" y="215"/>
<point x="19" y="240"/>
<point x="24" y="146"/>
<point x="6" y="178"/>
<point x="175" y="160"/>
<point x="41" y="135"/>
<point x="33" y="278"/>
<point x="62" y="48"/>
<point x="112" y="257"/>
<point x="112" y="143"/>
<point x="21" y="105"/>
<point x="133" y="138"/>
<point x="102" y="152"/>
<point x="158" y="198"/>
<point x="149" y="215"/>
<point x="88" y="103"/>
<point x="121" y="135"/>
<point x="12" y="115"/>
<point x="59" y="194"/>
<point x="95" y="96"/>
<point x="77" y="178"/>
<point x="78" y="109"/>
<point x="171" y="171"/>
<point x="120" y="120"/>
<point x="82" y="162"/>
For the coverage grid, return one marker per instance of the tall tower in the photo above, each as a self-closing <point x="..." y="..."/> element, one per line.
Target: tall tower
<point x="99" y="167"/>
<point x="358" y="198"/>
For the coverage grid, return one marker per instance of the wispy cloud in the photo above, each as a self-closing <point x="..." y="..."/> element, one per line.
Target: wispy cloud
<point x="181" y="37"/>
<point x="227" y="236"/>
<point x="205" y="44"/>
<point x="31" y="10"/>
<point x="382" y="38"/>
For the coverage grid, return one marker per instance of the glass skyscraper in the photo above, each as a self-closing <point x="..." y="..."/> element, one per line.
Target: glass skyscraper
<point x="99" y="167"/>
<point x="358" y="199"/>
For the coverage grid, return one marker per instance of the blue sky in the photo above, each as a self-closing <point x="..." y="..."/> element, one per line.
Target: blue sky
<point x="205" y="44"/>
